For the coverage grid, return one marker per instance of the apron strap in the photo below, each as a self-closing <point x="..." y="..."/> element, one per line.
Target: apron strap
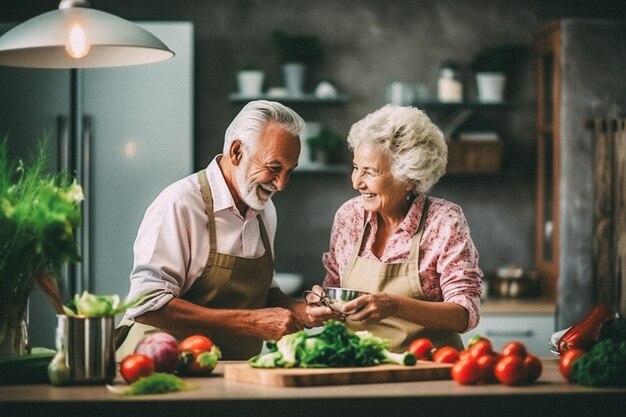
<point x="265" y="238"/>
<point x="415" y="242"/>
<point x="208" y="208"/>
<point x="357" y="248"/>
<point x="207" y="196"/>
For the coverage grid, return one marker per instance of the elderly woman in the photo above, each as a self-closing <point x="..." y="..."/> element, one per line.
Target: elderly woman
<point x="411" y="252"/>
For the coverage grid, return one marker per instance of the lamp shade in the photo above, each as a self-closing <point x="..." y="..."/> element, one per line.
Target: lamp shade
<point x="99" y="40"/>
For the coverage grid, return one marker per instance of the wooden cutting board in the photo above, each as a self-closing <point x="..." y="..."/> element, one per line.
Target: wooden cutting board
<point x="301" y="377"/>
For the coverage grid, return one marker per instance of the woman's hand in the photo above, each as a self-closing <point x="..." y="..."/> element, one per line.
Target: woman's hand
<point x="372" y="307"/>
<point x="316" y="310"/>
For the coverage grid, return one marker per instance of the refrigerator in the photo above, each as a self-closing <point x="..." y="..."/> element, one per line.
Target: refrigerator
<point x="136" y="138"/>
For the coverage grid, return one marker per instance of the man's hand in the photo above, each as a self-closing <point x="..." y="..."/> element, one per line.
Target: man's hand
<point x="316" y="310"/>
<point x="273" y="323"/>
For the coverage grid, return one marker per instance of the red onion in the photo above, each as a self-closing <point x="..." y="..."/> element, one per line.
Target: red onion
<point x="162" y="348"/>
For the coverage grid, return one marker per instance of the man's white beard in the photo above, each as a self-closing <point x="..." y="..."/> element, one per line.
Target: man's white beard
<point x="248" y="191"/>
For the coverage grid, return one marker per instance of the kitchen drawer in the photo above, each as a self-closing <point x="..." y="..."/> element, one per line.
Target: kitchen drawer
<point x="534" y="330"/>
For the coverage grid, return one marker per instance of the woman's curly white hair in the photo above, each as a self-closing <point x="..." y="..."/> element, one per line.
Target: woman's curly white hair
<point x="417" y="147"/>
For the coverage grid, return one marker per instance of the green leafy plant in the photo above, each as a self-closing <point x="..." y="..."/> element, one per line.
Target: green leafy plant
<point x="501" y="58"/>
<point x="326" y="140"/>
<point x="335" y="346"/>
<point x="39" y="213"/>
<point x="305" y="49"/>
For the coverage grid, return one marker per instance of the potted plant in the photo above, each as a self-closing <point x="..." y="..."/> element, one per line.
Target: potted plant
<point x="250" y="81"/>
<point x="326" y="147"/>
<point x="39" y="213"/>
<point x="492" y="66"/>
<point x="296" y="53"/>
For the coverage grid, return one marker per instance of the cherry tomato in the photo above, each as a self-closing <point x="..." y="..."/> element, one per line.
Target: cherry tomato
<point x="466" y="372"/>
<point x="136" y="366"/>
<point x="487" y="364"/>
<point x="480" y="347"/>
<point x="473" y="340"/>
<point x="510" y="370"/>
<point x="196" y="342"/>
<point x="566" y="362"/>
<point x="422" y="348"/>
<point x="515" y="349"/>
<point x="533" y="368"/>
<point x="446" y="354"/>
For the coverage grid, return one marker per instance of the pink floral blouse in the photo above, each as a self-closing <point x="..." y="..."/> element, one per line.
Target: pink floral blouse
<point x="448" y="263"/>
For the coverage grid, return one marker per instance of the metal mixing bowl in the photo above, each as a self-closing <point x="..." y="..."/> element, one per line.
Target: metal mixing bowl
<point x="335" y="298"/>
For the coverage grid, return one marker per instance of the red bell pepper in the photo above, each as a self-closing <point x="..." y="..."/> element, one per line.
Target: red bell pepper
<point x="586" y="332"/>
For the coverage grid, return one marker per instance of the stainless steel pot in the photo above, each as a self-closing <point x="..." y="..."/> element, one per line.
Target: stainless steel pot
<point x="89" y="348"/>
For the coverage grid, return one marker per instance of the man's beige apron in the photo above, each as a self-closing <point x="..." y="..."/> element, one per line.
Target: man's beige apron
<point x="400" y="278"/>
<point x="229" y="282"/>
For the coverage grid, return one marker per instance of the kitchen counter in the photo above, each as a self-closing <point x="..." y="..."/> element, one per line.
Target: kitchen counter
<point x="496" y="305"/>
<point x="550" y="396"/>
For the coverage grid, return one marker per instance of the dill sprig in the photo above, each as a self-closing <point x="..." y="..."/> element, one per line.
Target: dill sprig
<point x="39" y="213"/>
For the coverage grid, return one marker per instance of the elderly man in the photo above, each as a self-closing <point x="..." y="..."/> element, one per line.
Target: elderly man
<point x="203" y="256"/>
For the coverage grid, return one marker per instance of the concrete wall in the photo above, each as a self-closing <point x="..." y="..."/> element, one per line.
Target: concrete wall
<point x="368" y="44"/>
<point x="593" y="85"/>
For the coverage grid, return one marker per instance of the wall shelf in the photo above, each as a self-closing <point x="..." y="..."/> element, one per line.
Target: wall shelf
<point x="321" y="169"/>
<point x="468" y="105"/>
<point x="303" y="99"/>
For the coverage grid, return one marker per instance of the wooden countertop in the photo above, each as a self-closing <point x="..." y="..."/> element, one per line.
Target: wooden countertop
<point x="550" y="396"/>
<point x="493" y="305"/>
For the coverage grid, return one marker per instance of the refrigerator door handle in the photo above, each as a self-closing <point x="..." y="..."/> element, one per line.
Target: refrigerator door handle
<point x="63" y="144"/>
<point x="86" y="136"/>
<point x="64" y="150"/>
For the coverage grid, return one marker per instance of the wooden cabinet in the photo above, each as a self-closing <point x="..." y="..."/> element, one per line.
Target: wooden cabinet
<point x="547" y="223"/>
<point x="481" y="155"/>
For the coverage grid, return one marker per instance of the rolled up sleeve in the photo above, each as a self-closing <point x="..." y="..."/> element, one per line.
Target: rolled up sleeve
<point x="162" y="255"/>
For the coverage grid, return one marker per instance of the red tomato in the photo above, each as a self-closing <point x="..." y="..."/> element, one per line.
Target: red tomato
<point x="533" y="368"/>
<point x="514" y="348"/>
<point x="487" y="364"/>
<point x="198" y="355"/>
<point x="196" y="342"/>
<point x="465" y="353"/>
<point x="480" y="347"/>
<point x="446" y="354"/>
<point x="466" y="372"/>
<point x="566" y="362"/>
<point x="136" y="366"/>
<point x="422" y="348"/>
<point x="510" y="370"/>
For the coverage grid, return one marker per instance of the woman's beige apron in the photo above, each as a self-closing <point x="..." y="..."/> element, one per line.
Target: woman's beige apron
<point x="229" y="282"/>
<point x="400" y="278"/>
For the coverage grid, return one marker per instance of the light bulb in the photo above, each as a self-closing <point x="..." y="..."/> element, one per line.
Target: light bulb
<point x="77" y="45"/>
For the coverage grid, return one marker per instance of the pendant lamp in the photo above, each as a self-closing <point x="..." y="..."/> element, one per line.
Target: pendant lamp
<point x="76" y="36"/>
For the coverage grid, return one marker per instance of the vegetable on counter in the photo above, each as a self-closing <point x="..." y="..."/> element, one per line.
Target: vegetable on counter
<point x="586" y="332"/>
<point x="162" y="348"/>
<point x="335" y="346"/>
<point x="604" y="364"/>
<point x="58" y="370"/>
<point x="91" y="305"/>
<point x="157" y="383"/>
<point x="198" y="355"/>
<point x="136" y="366"/>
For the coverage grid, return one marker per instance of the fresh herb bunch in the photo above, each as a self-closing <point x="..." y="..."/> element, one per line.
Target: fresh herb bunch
<point x="336" y="346"/>
<point x="39" y="213"/>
